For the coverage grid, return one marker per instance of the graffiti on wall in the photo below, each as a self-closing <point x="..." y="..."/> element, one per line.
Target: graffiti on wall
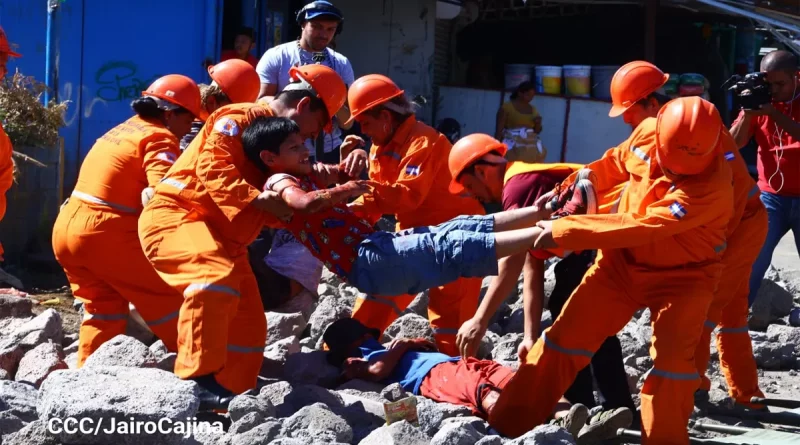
<point x="120" y="80"/>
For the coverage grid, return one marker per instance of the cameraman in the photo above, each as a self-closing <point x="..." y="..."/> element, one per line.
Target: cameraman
<point x="776" y="128"/>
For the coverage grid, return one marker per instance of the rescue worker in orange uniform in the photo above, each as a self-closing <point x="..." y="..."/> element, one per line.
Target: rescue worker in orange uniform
<point x="95" y="234"/>
<point x="6" y="150"/>
<point x="662" y="251"/>
<point x="205" y="212"/>
<point x="408" y="161"/>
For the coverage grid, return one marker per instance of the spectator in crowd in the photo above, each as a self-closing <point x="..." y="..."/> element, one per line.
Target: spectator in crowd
<point x="519" y="124"/>
<point x="244" y="42"/>
<point x="320" y="22"/>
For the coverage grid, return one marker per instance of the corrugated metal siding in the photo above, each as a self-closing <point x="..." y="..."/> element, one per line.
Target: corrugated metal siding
<point x="441" y="54"/>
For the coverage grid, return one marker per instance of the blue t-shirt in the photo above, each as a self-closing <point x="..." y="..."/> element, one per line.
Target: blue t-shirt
<point x="273" y="69"/>
<point x="412" y="367"/>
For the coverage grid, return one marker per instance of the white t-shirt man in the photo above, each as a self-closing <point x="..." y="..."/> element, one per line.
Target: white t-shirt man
<point x="273" y="69"/>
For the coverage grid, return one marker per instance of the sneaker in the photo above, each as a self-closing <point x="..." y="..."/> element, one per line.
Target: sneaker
<point x="582" y="200"/>
<point x="604" y="426"/>
<point x="574" y="420"/>
<point x="564" y="195"/>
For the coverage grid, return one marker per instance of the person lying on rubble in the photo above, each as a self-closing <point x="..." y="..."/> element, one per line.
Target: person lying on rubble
<point x="422" y="370"/>
<point x="383" y="263"/>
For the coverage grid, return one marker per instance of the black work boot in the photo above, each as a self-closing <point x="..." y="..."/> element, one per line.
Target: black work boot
<point x="213" y="396"/>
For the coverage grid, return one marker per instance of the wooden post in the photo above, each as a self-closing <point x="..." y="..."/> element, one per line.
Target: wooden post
<point x="650" y="8"/>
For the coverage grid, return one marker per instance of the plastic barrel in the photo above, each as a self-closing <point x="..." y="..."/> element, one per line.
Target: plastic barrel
<point x="516" y="74"/>
<point x="601" y="80"/>
<point x="548" y="79"/>
<point x="578" y="80"/>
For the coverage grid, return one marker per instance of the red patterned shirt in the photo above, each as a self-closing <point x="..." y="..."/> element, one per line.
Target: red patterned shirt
<point x="331" y="235"/>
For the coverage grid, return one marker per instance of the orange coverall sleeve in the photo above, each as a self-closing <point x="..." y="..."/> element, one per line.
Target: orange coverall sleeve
<point x="610" y="168"/>
<point x="223" y="181"/>
<point x="675" y="213"/>
<point x="159" y="155"/>
<point x="418" y="170"/>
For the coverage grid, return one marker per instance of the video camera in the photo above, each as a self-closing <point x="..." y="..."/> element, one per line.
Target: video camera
<point x="752" y="90"/>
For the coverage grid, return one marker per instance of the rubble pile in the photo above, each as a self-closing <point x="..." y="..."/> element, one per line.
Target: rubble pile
<point x="300" y="398"/>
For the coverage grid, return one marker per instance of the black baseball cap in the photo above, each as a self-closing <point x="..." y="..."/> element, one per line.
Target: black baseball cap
<point x="341" y="337"/>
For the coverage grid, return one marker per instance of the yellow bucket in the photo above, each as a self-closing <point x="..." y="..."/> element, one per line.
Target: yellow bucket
<point x="548" y="79"/>
<point x="578" y="80"/>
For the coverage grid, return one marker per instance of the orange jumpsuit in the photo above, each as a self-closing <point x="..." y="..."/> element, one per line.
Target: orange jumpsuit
<point x="662" y="251"/>
<point x="6" y="173"/>
<point x="413" y="181"/>
<point x="95" y="237"/>
<point x="195" y="232"/>
<point x="746" y="234"/>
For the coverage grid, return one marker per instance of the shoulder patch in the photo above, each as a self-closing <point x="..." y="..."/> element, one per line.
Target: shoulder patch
<point x="167" y="156"/>
<point x="227" y="126"/>
<point x="729" y="156"/>
<point x="677" y="210"/>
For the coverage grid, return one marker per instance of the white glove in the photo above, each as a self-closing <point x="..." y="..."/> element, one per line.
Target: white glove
<point x="147" y="195"/>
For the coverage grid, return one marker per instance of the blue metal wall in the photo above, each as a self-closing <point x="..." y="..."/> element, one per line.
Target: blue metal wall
<point x="107" y="53"/>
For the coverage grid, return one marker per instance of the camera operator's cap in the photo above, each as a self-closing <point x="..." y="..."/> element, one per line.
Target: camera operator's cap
<point x="5" y="47"/>
<point x="688" y="134"/>
<point x="320" y="8"/>
<point x="632" y="83"/>
<point x="342" y="337"/>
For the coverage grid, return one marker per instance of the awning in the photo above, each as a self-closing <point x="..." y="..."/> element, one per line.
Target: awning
<point x="771" y="21"/>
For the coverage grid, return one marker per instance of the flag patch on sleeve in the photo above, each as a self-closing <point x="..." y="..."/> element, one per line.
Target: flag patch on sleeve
<point x="166" y="156"/>
<point x="729" y="156"/>
<point x="412" y="170"/>
<point x="227" y="127"/>
<point x="677" y="210"/>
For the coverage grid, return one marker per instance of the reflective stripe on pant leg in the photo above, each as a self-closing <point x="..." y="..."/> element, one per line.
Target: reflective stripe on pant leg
<point x="247" y="336"/>
<point x="702" y="355"/>
<point x="379" y="312"/>
<point x="450" y="306"/>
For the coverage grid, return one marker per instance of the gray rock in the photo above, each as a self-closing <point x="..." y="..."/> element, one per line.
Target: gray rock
<point x="119" y="393"/>
<point x="262" y="434"/>
<point x="303" y="303"/>
<point x="419" y="305"/>
<point x="310" y="368"/>
<point x="9" y="423"/>
<point x="328" y="310"/>
<point x="167" y="362"/>
<point x="243" y="404"/>
<point x="309" y="343"/>
<point x="772" y="303"/>
<point x="545" y="435"/>
<point x="280" y="350"/>
<point x="306" y="395"/>
<point x="70" y="348"/>
<point x="488" y="343"/>
<point x="45" y="326"/>
<point x="69" y="339"/>
<point x="10" y="355"/>
<point x="475" y="422"/>
<point x="317" y="418"/>
<point x="363" y="416"/>
<point x="634" y="375"/>
<point x="38" y="363"/>
<point x="34" y="433"/>
<point x="72" y="360"/>
<point x="363" y="386"/>
<point x="394" y="392"/>
<point x="282" y="325"/>
<point x="786" y="335"/>
<point x="4" y="375"/>
<point x="644" y="363"/>
<point x="122" y="351"/>
<point x="454" y="434"/>
<point x="432" y="414"/>
<point x="398" y="433"/>
<point x="515" y="322"/>
<point x="246" y="422"/>
<point x="773" y="356"/>
<point x="490" y="440"/>
<point x="297" y="441"/>
<point x="18" y="307"/>
<point x="159" y="349"/>
<point x="20" y="398"/>
<point x="408" y="326"/>
<point x="275" y="393"/>
<point x="506" y="348"/>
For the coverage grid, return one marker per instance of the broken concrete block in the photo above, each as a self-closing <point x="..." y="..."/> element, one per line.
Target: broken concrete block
<point x="394" y="392"/>
<point x="20" y="398"/>
<point x="409" y="326"/>
<point x="39" y="362"/>
<point x="317" y="418"/>
<point x="506" y="347"/>
<point x="122" y="351"/>
<point x="398" y="433"/>
<point x="9" y="423"/>
<point x="18" y="307"/>
<point x="34" y="433"/>
<point x="545" y="435"/>
<point x="242" y="404"/>
<point x="280" y="350"/>
<point x="263" y="434"/>
<point x="246" y="422"/>
<point x="281" y="325"/>
<point x="454" y="434"/>
<point x="432" y="414"/>
<point x="45" y="326"/>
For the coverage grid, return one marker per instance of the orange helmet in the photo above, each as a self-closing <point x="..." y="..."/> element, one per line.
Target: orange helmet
<point x="175" y="90"/>
<point x="466" y="151"/>
<point x="369" y="91"/>
<point x="632" y="83"/>
<point x="5" y="47"/>
<point x="237" y="79"/>
<point x="324" y="82"/>
<point x="688" y="135"/>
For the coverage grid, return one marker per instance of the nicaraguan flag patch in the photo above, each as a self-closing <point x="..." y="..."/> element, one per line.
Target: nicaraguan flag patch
<point x="227" y="127"/>
<point x="729" y="156"/>
<point x="166" y="156"/>
<point x="677" y="210"/>
<point x="412" y="170"/>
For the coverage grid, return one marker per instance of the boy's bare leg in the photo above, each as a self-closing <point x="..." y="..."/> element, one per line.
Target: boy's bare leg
<point x="519" y="218"/>
<point x="515" y="241"/>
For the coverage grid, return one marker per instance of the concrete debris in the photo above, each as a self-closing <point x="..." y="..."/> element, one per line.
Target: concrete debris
<point x="9" y="423"/>
<point x="34" y="433"/>
<point x="281" y="326"/>
<point x="408" y="326"/>
<point x="310" y="368"/>
<point x="490" y="440"/>
<point x="329" y="309"/>
<point x="302" y="303"/>
<point x="45" y="326"/>
<point x="419" y="305"/>
<point x="363" y="416"/>
<point x="394" y="392"/>
<point x="262" y="434"/>
<point x="488" y="342"/>
<point x="455" y="434"/>
<point x="119" y="393"/>
<point x="246" y="422"/>
<point x="317" y="421"/>
<point x="774" y="356"/>
<point x="280" y="350"/>
<point x="4" y="375"/>
<point x="122" y="350"/>
<point x="20" y="399"/>
<point x="17" y="307"/>
<point x="507" y="346"/>
<point x="432" y="414"/>
<point x="398" y="433"/>
<point x="545" y="435"/>
<point x="772" y="303"/>
<point x="39" y="362"/>
<point x="244" y="404"/>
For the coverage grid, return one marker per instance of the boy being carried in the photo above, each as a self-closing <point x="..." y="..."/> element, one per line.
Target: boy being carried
<point x="383" y="263"/>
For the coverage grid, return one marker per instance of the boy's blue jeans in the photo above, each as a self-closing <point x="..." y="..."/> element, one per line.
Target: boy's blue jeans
<point x="784" y="214"/>
<point x="413" y="260"/>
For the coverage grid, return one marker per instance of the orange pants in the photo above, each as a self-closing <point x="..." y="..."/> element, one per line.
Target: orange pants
<point x="222" y="329"/>
<point x="729" y="310"/>
<point x="106" y="268"/>
<point x="611" y="291"/>
<point x="449" y="307"/>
